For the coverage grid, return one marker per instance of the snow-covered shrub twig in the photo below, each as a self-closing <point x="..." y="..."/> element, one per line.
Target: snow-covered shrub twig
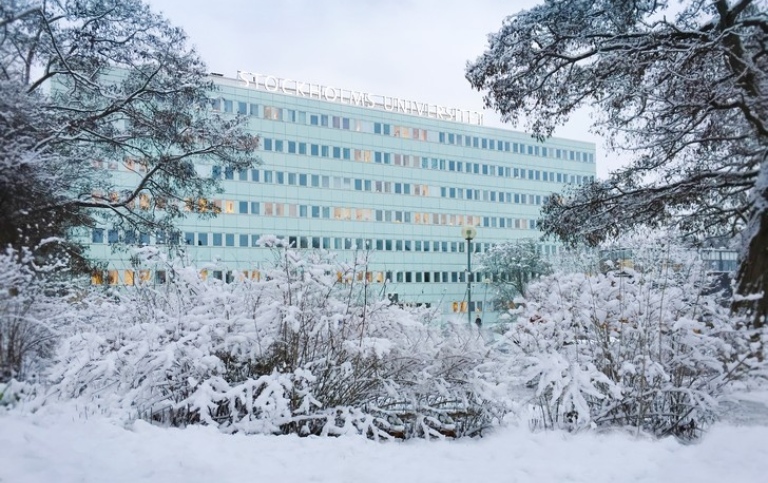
<point x="645" y="349"/>
<point x="34" y="304"/>
<point x="308" y="349"/>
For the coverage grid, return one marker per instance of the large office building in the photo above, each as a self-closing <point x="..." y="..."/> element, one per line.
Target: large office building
<point x="347" y="170"/>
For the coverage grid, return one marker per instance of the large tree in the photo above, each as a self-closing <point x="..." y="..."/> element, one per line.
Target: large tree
<point x="682" y="86"/>
<point x="88" y="85"/>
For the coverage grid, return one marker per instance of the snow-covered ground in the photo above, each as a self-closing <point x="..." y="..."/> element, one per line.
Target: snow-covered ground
<point x="96" y="450"/>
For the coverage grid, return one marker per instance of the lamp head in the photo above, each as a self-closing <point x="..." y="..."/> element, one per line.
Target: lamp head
<point x="468" y="232"/>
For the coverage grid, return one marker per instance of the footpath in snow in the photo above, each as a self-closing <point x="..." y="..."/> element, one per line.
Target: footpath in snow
<point x="97" y="450"/>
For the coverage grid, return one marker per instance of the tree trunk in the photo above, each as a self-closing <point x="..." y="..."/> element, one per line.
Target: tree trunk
<point x="752" y="291"/>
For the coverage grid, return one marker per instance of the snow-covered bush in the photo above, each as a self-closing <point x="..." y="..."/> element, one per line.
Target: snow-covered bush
<point x="34" y="304"/>
<point x="629" y="348"/>
<point x="306" y="349"/>
<point x="512" y="266"/>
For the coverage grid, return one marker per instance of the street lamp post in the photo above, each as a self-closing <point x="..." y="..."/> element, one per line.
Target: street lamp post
<point x="469" y="233"/>
<point x="486" y="282"/>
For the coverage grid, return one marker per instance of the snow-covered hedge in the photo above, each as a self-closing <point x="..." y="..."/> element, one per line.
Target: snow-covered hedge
<point x="295" y="352"/>
<point x="628" y="348"/>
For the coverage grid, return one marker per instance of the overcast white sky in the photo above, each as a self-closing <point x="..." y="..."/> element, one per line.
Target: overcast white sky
<point x="413" y="49"/>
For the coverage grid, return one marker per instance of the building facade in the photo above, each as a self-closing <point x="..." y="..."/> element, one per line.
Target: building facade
<point x="347" y="171"/>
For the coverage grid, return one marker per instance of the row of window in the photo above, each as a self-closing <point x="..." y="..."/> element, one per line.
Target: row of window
<point x="389" y="216"/>
<point x="293" y="210"/>
<point x="516" y="148"/>
<point x="130" y="164"/>
<point x="146" y="276"/>
<point x="349" y="124"/>
<point x="133" y="277"/>
<point x="206" y="239"/>
<point x="413" y="161"/>
<point x="460" y="307"/>
<point x="385" y="187"/>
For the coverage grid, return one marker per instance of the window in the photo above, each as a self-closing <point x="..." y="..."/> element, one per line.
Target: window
<point x="273" y="113"/>
<point x="128" y="277"/>
<point x="202" y="239"/>
<point x="243" y="240"/>
<point x="113" y="236"/>
<point x="160" y="277"/>
<point x="217" y="239"/>
<point x="229" y="239"/>
<point x="97" y="235"/>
